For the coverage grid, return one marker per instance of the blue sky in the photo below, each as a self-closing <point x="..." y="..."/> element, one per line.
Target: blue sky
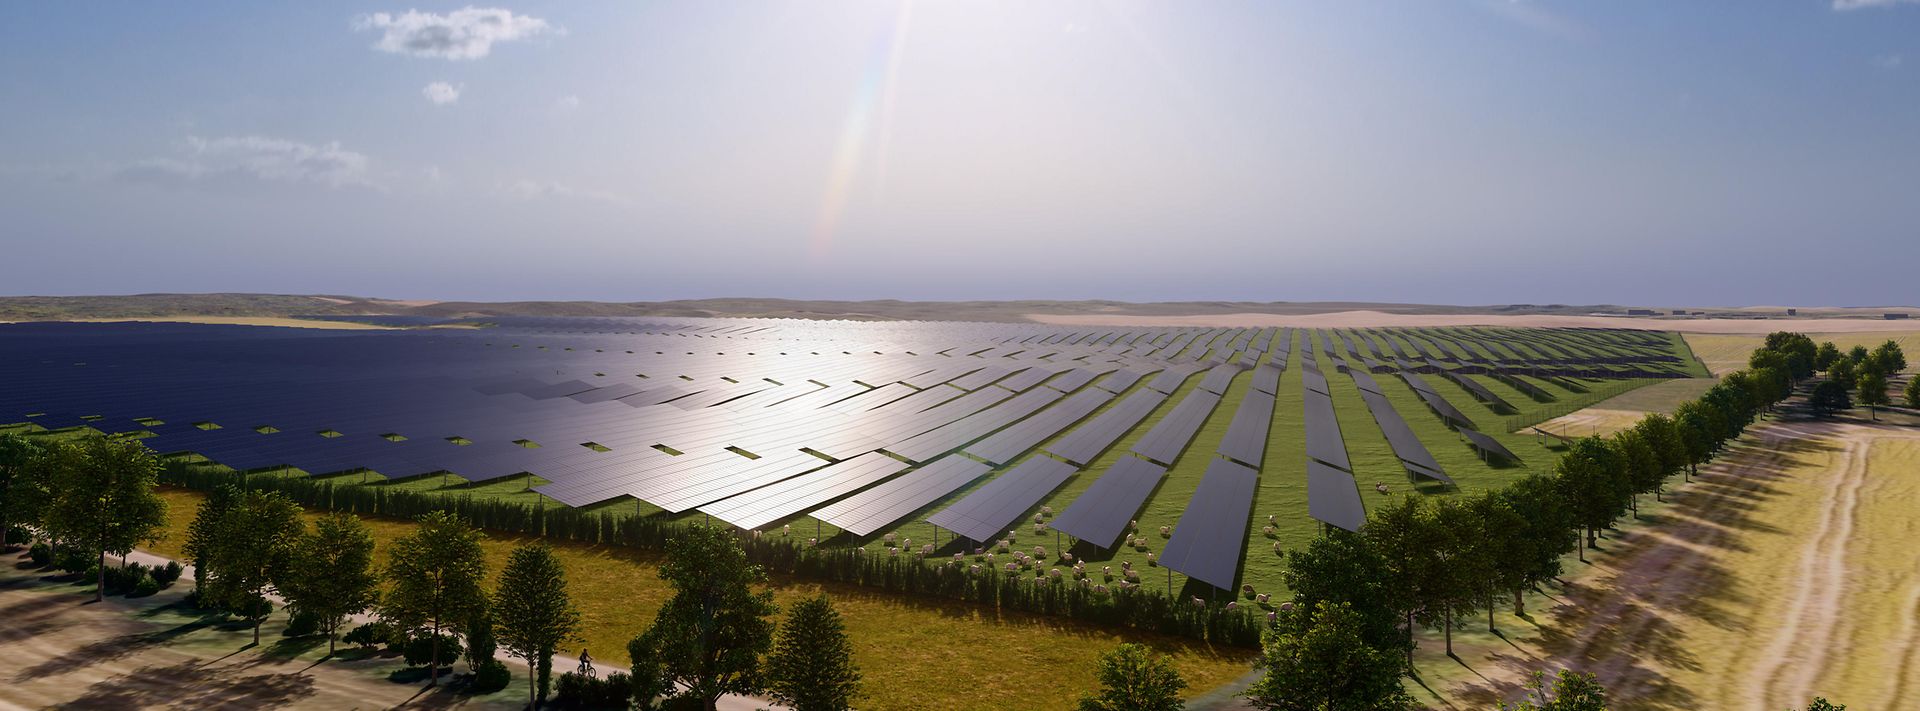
<point x="1453" y="151"/>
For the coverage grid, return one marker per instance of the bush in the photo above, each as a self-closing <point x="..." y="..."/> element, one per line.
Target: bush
<point x="40" y="554"/>
<point x="371" y="634"/>
<point x="17" y="535"/>
<point x="73" y="561"/>
<point x="419" y="650"/>
<point x="578" y="691"/>
<point x="126" y="579"/>
<point x="301" y="624"/>
<point x="490" y="676"/>
<point x="144" y="588"/>
<point x="166" y="575"/>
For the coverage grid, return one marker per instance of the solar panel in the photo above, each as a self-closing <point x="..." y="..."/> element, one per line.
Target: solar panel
<point x="1101" y="513"/>
<point x="1324" y="441"/>
<point x="1333" y="498"/>
<point x="1246" y="440"/>
<point x="1489" y="446"/>
<point x="1208" y="541"/>
<point x="880" y="506"/>
<point x="992" y="507"/>
<point x="1008" y="444"/>
<point x="1088" y="441"/>
<point x="759" y="507"/>
<point x="1218" y="378"/>
<point x="1170" y="437"/>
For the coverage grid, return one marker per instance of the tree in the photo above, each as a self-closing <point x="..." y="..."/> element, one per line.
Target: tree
<point x="23" y="487"/>
<point x="1873" y="392"/>
<point x="1825" y="356"/>
<point x="1912" y="393"/>
<point x="1859" y="355"/>
<point x="105" y="502"/>
<point x="1829" y="397"/>
<point x="1549" y="533"/>
<point x="1842" y="372"/>
<point x="1507" y="555"/>
<point x="1640" y="464"/>
<point x="203" y="538"/>
<point x="1339" y="567"/>
<point x="709" y="636"/>
<point x="1132" y="678"/>
<point x="1462" y="570"/>
<point x="811" y="667"/>
<point x="254" y="543"/>
<point x="1663" y="436"/>
<point x="1572" y="691"/>
<point x="1590" y="478"/>
<point x="330" y="573"/>
<point x="533" y="613"/>
<point x="1888" y="358"/>
<point x="648" y="678"/>
<point x="1315" y="660"/>
<point x="435" y="573"/>
<point x="1797" y="350"/>
<point x="1397" y="532"/>
<point x="1693" y="421"/>
<point x="1820" y="703"/>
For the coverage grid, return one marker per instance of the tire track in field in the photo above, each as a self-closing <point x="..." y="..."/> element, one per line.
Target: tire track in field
<point x="1813" y="608"/>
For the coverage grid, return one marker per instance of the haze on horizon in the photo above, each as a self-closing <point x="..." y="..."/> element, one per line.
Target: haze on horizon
<point x="1455" y="151"/>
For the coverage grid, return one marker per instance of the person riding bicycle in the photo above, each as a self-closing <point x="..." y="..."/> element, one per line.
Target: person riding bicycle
<point x="586" y="663"/>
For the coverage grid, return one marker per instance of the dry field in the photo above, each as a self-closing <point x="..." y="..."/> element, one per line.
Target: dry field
<point x="1724" y="353"/>
<point x="245" y="321"/>
<point x="1784" y="571"/>
<point x="915" y="653"/>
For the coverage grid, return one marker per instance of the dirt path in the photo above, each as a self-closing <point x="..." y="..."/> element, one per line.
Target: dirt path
<point x="1785" y="571"/>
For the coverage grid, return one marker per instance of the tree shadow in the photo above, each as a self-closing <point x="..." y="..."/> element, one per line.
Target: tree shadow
<point x="195" y="685"/>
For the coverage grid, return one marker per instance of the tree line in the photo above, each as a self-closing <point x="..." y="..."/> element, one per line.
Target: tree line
<point x="1347" y="637"/>
<point x="88" y="498"/>
<point x="1867" y="371"/>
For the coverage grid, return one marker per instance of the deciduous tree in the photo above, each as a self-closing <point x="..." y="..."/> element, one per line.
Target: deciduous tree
<point x="1873" y="392"/>
<point x="709" y="637"/>
<point x="104" y="501"/>
<point x="1572" y="691"/>
<point x="254" y="543"/>
<point x="23" y="486"/>
<point x="435" y="573"/>
<point x="1829" y="397"/>
<point x="1315" y="660"/>
<point x="330" y="575"/>
<point x="1339" y="567"/>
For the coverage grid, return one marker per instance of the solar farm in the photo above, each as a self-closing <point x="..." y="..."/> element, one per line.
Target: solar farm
<point x="1187" y="455"/>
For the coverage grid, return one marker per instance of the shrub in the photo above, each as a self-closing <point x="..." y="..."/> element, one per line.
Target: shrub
<point x="146" y="586"/>
<point x="73" y="561"/>
<point x="578" y="691"/>
<point x="301" y="624"/>
<point x="17" y="534"/>
<point x="419" y="650"/>
<point x="371" y="634"/>
<point x="40" y="554"/>
<point x="166" y="575"/>
<point x="490" y="676"/>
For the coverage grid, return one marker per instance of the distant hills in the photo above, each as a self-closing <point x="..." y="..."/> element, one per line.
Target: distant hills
<point x="59" y="308"/>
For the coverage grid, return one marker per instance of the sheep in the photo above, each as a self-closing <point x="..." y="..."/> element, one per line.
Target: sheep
<point x="1065" y="556"/>
<point x="1277" y="549"/>
<point x="1133" y="525"/>
<point x="1048" y="510"/>
<point x="893" y="551"/>
<point x="907" y="543"/>
<point x="928" y="550"/>
<point x="975" y="568"/>
<point x="1273" y="617"/>
<point x="1261" y="598"/>
<point x="1286" y="606"/>
<point x="1197" y="602"/>
<point x="1151" y="561"/>
<point x="1382" y="488"/>
<point x="1166" y="531"/>
<point x="1085" y="582"/>
<point x="756" y="534"/>
<point x="786" y="530"/>
<point x="1013" y="567"/>
<point x="1039" y="528"/>
<point x="1039" y="551"/>
<point x="1126" y="565"/>
<point x="1038" y="518"/>
<point x="1266" y="531"/>
<point x="1273" y="520"/>
<point x="1099" y="589"/>
<point x="888" y="538"/>
<point x="959" y="557"/>
<point x="1055" y="573"/>
<point x="1231" y="606"/>
<point x="1247" y="589"/>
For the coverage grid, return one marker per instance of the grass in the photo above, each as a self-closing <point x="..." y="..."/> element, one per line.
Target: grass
<point x="914" y="653"/>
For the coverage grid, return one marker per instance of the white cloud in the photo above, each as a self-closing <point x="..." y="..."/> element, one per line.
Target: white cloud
<point x="466" y="33"/>
<point x="1858" y="4"/>
<point x="442" y="93"/>
<point x="1889" y="61"/>
<point x="258" y="158"/>
<point x="567" y="103"/>
<point x="545" y="190"/>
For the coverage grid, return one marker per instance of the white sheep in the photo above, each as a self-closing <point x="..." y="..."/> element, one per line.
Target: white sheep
<point x="1231" y="606"/>
<point x="1037" y="517"/>
<point x="1133" y="525"/>
<point x="1273" y="617"/>
<point x="1286" y="606"/>
<point x="756" y="534"/>
<point x="1100" y="589"/>
<point x="1126" y="565"/>
<point x="1197" y="602"/>
<point x="975" y="568"/>
<point x="1013" y="567"/>
<point x="1065" y="556"/>
<point x="1382" y="488"/>
<point x="1055" y="573"/>
<point x="786" y="530"/>
<point x="1247" y="589"/>
<point x="1261" y="598"/>
<point x="888" y="538"/>
<point x="813" y="541"/>
<point x="1039" y="528"/>
<point x="1048" y="510"/>
<point x="1266" y="531"/>
<point x="1166" y="531"/>
<point x="1039" y="551"/>
<point x="1272" y="520"/>
<point x="958" y="557"/>
<point x="893" y="551"/>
